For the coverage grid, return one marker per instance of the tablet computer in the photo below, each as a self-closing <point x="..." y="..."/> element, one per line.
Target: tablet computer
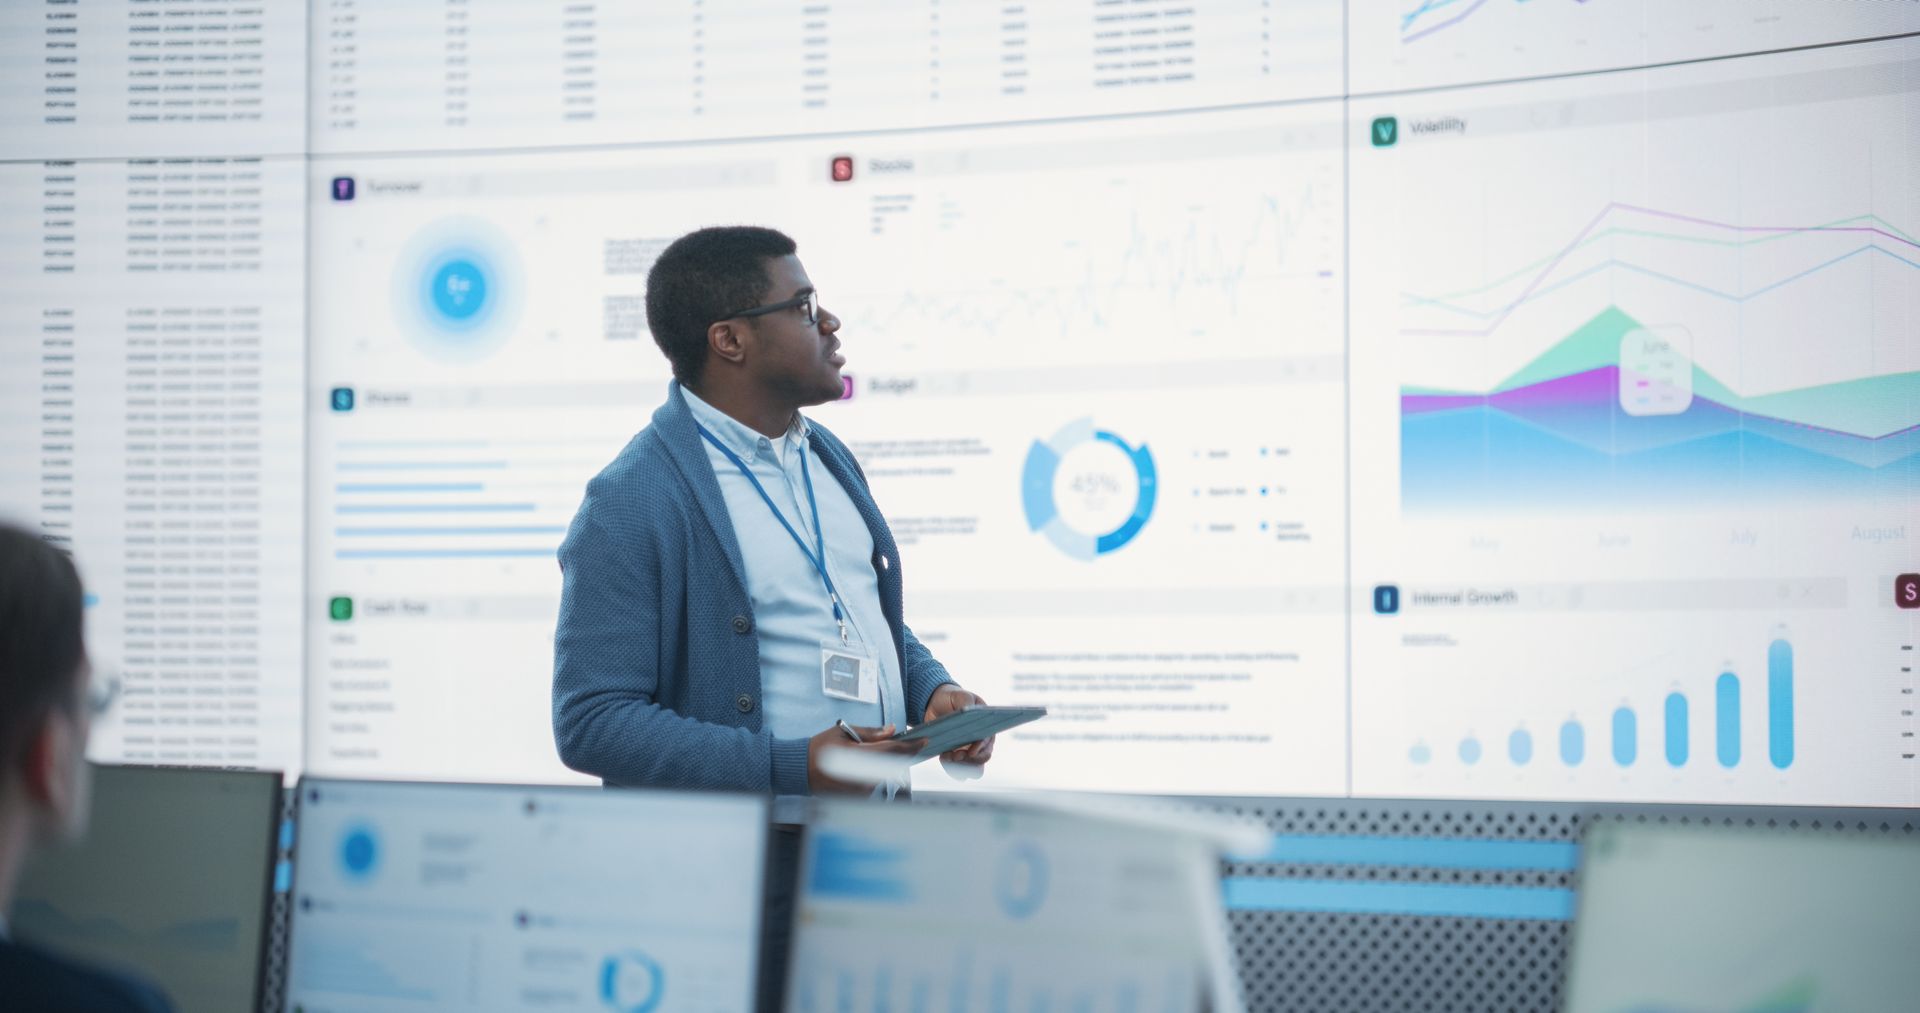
<point x="951" y="731"/>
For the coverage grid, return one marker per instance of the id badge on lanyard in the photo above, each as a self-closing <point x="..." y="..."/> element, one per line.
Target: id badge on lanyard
<point x="849" y="672"/>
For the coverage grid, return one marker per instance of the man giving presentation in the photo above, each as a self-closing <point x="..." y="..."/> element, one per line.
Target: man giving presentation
<point x="731" y="595"/>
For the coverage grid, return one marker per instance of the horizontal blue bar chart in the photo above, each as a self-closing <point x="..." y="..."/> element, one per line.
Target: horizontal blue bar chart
<point x="532" y="553"/>
<point x="356" y="487"/>
<point x="419" y="465"/>
<point x="508" y="529"/>
<point x="432" y="508"/>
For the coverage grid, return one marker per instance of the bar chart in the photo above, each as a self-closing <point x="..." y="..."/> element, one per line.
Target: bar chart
<point x="1673" y="732"/>
<point x="456" y="499"/>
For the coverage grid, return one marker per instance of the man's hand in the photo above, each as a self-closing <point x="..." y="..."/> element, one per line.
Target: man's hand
<point x="871" y="739"/>
<point x="965" y="762"/>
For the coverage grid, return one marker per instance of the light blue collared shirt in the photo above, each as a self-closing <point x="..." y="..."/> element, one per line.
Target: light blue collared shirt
<point x="791" y="611"/>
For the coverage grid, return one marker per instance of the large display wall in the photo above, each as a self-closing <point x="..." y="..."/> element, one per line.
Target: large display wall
<point x="1456" y="398"/>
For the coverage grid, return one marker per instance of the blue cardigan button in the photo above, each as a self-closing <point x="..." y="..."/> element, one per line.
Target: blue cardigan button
<point x="742" y="624"/>
<point x="743" y="703"/>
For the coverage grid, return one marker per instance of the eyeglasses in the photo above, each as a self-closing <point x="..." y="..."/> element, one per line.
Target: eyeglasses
<point x="811" y="300"/>
<point x="102" y="690"/>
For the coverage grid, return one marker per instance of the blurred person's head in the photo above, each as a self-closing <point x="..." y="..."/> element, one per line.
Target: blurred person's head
<point x="44" y="712"/>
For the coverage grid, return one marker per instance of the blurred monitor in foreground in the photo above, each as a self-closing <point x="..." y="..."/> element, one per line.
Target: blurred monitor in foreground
<point x="484" y="897"/>
<point x="174" y="879"/>
<point x="973" y="908"/>
<point x="1702" y="920"/>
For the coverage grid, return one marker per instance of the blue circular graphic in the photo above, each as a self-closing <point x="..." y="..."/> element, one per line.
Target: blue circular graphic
<point x="359" y="853"/>
<point x="1021" y="882"/>
<point x="1043" y="514"/>
<point x="458" y="290"/>
<point x="631" y="982"/>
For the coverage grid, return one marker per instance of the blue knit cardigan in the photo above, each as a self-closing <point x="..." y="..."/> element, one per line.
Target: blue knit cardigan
<point x="656" y="665"/>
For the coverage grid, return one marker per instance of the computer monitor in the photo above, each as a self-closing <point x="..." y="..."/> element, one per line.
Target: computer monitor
<point x="977" y="908"/>
<point x="174" y="880"/>
<point x="1714" y="919"/>
<point x="485" y="897"/>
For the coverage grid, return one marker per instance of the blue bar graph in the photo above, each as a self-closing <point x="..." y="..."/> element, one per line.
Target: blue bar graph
<point x="510" y="529"/>
<point x="1573" y="743"/>
<point x="418" y="465"/>
<point x="1780" y="703"/>
<point x="999" y="993"/>
<point x="407" y="487"/>
<point x="433" y="508"/>
<point x="442" y="553"/>
<point x="412" y="444"/>
<point x="1677" y="729"/>
<point x="436" y="504"/>
<point x="1626" y="737"/>
<point x="1726" y="719"/>
<point x="1673" y="736"/>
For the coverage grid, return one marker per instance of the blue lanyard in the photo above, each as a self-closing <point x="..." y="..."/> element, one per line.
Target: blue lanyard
<point x="817" y="558"/>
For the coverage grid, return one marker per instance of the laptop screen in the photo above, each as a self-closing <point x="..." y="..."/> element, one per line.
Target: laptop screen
<point x="173" y="880"/>
<point x="482" y="897"/>
<point x="935" y="907"/>
<point x="1690" y="918"/>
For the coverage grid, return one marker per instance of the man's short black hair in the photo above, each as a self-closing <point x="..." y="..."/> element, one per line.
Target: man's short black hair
<point x="42" y="644"/>
<point x="702" y="277"/>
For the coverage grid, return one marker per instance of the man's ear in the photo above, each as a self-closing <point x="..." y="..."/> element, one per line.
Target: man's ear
<point x="56" y="778"/>
<point x="727" y="341"/>
<point x="44" y="774"/>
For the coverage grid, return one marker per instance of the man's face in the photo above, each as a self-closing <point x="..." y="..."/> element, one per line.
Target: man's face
<point x="60" y="777"/>
<point x="797" y="360"/>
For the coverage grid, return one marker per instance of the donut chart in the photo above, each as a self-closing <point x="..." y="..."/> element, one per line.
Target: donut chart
<point x="631" y="982"/>
<point x="1043" y="513"/>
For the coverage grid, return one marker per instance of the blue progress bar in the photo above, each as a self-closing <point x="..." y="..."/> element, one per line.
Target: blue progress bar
<point x="417" y="465"/>
<point x="1440" y="899"/>
<point x="409" y="444"/>
<point x="440" y="553"/>
<point x="1780" y="703"/>
<point x="528" y="529"/>
<point x="407" y="487"/>
<point x="433" y="508"/>
<point x="1431" y="852"/>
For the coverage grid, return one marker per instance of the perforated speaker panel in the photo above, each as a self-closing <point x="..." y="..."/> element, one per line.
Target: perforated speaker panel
<point x="1439" y="855"/>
